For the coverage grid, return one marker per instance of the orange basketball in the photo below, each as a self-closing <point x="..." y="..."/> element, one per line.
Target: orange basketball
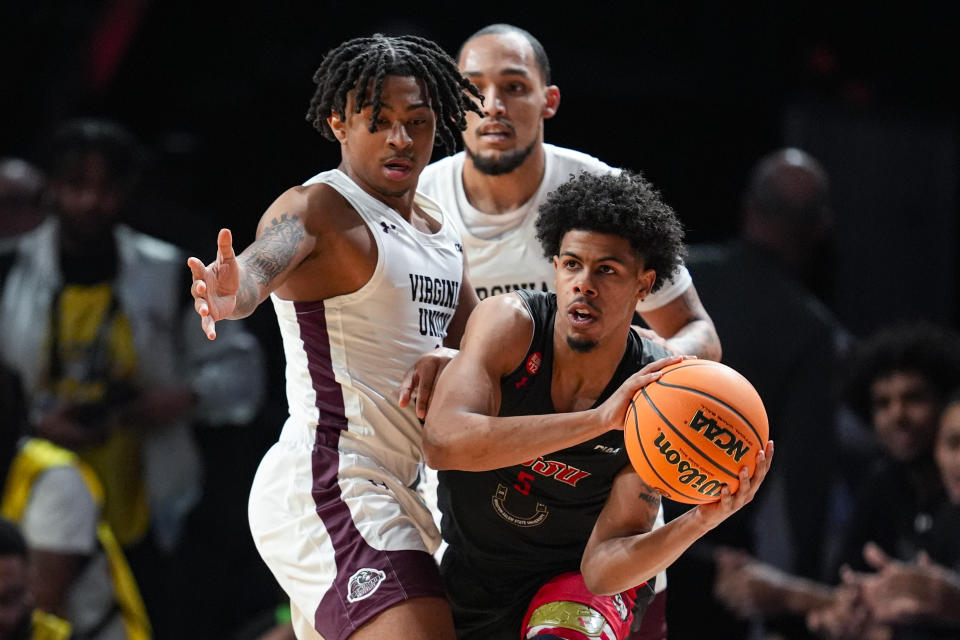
<point x="689" y="432"/>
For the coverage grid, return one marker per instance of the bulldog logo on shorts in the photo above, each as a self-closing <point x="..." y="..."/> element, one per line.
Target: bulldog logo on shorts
<point x="363" y="583"/>
<point x="621" y="606"/>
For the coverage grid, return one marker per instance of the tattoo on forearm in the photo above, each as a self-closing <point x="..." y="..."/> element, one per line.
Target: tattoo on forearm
<point x="248" y="296"/>
<point x="650" y="497"/>
<point x="652" y="500"/>
<point x="275" y="248"/>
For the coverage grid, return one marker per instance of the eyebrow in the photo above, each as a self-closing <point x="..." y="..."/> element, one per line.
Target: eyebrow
<point x="509" y="71"/>
<point x="603" y="259"/>
<point x="384" y="105"/>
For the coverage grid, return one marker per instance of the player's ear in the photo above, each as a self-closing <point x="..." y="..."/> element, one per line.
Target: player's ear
<point x="645" y="280"/>
<point x="338" y="125"/>
<point x="552" y="93"/>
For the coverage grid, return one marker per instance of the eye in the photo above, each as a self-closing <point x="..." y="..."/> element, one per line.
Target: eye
<point x="418" y="122"/>
<point x="516" y="87"/>
<point x="605" y="268"/>
<point x="570" y="264"/>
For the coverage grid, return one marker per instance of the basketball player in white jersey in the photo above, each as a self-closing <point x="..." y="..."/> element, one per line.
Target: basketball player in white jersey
<point x="495" y="187"/>
<point x="365" y="275"/>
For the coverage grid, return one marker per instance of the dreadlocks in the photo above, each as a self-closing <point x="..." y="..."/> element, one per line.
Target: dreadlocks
<point x="358" y="62"/>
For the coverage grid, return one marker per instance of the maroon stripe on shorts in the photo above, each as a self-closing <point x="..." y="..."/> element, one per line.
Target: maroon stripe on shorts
<point x="368" y="581"/>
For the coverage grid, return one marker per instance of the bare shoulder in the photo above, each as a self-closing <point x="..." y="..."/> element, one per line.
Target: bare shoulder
<point x="316" y="206"/>
<point x="333" y="250"/>
<point x="499" y="330"/>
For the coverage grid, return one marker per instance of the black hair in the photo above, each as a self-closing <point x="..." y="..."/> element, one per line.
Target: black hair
<point x="922" y="347"/>
<point x="623" y="204"/>
<point x="11" y="540"/>
<point x="539" y="53"/>
<point x="63" y="148"/>
<point x="358" y="62"/>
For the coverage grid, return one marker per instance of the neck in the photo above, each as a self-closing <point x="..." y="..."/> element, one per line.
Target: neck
<point x="400" y="201"/>
<point x="580" y="378"/>
<point x="508" y="191"/>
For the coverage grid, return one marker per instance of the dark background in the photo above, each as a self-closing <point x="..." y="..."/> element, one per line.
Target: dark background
<point x="691" y="94"/>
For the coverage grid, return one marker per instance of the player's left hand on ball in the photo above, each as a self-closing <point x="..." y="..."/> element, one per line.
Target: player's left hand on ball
<point x="420" y="379"/>
<point x="732" y="501"/>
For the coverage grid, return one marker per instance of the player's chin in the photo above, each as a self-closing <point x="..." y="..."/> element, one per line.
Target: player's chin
<point x="581" y="343"/>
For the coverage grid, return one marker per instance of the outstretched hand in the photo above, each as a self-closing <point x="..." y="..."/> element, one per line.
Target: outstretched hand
<point x="215" y="285"/>
<point x="614" y="409"/>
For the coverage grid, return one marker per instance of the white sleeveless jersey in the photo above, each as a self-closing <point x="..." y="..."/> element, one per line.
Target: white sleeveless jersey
<point x="346" y="356"/>
<point x="513" y="258"/>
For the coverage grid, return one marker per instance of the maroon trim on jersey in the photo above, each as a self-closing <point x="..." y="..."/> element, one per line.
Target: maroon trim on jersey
<point x="316" y="344"/>
<point x="368" y="580"/>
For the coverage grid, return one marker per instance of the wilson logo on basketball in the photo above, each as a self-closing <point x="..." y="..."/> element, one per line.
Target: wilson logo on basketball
<point x="720" y="436"/>
<point x="533" y="363"/>
<point x="689" y="474"/>
<point x="363" y="583"/>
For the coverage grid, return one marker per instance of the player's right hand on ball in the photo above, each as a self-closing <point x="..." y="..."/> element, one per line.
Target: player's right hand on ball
<point x="215" y="285"/>
<point x="614" y="408"/>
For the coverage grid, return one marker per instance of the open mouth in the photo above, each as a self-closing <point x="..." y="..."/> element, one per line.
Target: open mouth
<point x="397" y="168"/>
<point x="581" y="316"/>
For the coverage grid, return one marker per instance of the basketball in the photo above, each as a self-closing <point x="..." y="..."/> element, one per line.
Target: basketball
<point x="691" y="431"/>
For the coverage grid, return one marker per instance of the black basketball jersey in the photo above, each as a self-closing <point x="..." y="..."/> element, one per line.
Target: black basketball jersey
<point x="510" y="530"/>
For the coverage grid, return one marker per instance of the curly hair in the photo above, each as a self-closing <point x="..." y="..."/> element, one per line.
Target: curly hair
<point x="363" y="63"/>
<point x="921" y="347"/>
<point x="623" y="204"/>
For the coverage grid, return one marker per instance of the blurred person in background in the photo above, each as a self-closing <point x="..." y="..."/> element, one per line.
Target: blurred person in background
<point x="97" y="326"/>
<point x="899" y="379"/>
<point x="19" y="618"/>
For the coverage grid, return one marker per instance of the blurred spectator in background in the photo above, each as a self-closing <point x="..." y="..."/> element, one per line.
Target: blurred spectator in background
<point x="900" y="378"/>
<point x="78" y="571"/>
<point x="21" y="185"/>
<point x="19" y="620"/>
<point x="97" y="325"/>
<point x="782" y="338"/>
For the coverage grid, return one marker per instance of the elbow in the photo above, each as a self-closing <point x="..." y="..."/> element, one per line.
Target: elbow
<point x="595" y="583"/>
<point x="437" y="451"/>
<point x="714" y="351"/>
<point x="710" y="347"/>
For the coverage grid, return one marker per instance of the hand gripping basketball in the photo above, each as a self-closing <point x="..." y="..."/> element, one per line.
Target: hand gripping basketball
<point x="690" y="432"/>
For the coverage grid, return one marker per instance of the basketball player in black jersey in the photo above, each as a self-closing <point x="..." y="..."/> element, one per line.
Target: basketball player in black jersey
<point x="549" y="528"/>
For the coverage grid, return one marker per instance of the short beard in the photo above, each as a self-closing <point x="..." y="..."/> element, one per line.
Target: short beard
<point x="581" y="346"/>
<point x="505" y="163"/>
<point x="390" y="194"/>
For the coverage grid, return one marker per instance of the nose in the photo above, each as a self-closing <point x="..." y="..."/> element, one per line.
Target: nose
<point x="583" y="285"/>
<point x="492" y="104"/>
<point x="399" y="138"/>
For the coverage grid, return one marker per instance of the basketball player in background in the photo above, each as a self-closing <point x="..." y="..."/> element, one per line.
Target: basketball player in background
<point x="365" y="276"/>
<point x="550" y="530"/>
<point x="494" y="187"/>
